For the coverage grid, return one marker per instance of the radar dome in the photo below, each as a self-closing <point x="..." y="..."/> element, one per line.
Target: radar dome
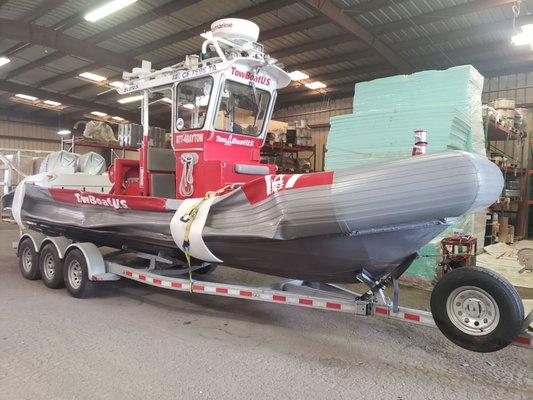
<point x="235" y="28"/>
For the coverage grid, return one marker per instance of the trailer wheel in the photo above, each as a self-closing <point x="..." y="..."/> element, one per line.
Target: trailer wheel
<point x="76" y="276"/>
<point x="206" y="270"/>
<point x="477" y="309"/>
<point x="28" y="260"/>
<point x="51" y="267"/>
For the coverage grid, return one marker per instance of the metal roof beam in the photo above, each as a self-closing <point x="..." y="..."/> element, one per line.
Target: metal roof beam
<point x="314" y="45"/>
<point x="143" y="19"/>
<point x="43" y="9"/>
<point x="30" y="17"/>
<point x="505" y="26"/>
<point x="35" y="64"/>
<point x="339" y="58"/>
<point x="369" y="5"/>
<point x="331" y="11"/>
<point x="66" y="75"/>
<point x="291" y="98"/>
<point x="249" y="12"/>
<point x="444" y="13"/>
<point x="66" y="100"/>
<point x="140" y="20"/>
<point x="48" y="37"/>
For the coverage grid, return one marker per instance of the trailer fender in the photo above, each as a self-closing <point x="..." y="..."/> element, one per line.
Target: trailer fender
<point x="96" y="267"/>
<point x="61" y="244"/>
<point x="36" y="238"/>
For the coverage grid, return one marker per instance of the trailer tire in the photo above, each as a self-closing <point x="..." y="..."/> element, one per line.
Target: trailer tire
<point x="477" y="309"/>
<point x="76" y="275"/>
<point x="28" y="260"/>
<point x="51" y="267"/>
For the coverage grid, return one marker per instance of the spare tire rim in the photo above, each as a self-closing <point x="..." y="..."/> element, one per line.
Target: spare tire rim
<point x="74" y="274"/>
<point x="27" y="259"/>
<point x="49" y="266"/>
<point x="472" y="310"/>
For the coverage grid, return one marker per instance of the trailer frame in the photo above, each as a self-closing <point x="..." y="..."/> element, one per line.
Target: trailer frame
<point x="330" y="297"/>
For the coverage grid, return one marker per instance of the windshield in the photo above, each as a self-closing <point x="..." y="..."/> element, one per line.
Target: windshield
<point x="192" y="101"/>
<point x="242" y="109"/>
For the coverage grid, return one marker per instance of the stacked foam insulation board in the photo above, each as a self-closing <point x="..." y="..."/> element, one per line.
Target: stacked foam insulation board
<point x="387" y="111"/>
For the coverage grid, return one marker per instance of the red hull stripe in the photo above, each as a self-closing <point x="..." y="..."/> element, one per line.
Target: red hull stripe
<point x="262" y="188"/>
<point x="222" y="290"/>
<point x="111" y="201"/>
<point x="277" y="297"/>
<point x="245" y="293"/>
<point x="306" y="302"/>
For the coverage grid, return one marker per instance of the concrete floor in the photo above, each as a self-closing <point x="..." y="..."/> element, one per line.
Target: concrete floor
<point x="139" y="342"/>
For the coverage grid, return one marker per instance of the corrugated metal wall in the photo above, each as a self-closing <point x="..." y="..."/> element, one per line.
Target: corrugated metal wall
<point x="518" y="87"/>
<point x="17" y="135"/>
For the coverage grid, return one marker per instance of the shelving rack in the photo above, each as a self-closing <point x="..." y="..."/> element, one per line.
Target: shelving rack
<point x="82" y="141"/>
<point x="280" y="149"/>
<point x="517" y="208"/>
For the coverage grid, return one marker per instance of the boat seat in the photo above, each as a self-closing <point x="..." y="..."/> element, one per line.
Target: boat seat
<point x="163" y="185"/>
<point x="161" y="160"/>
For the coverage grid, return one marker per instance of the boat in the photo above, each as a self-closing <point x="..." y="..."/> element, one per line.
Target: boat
<point x="323" y="227"/>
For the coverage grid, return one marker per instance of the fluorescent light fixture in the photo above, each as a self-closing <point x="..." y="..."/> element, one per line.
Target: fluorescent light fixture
<point x="98" y="113"/>
<point x="117" y="84"/>
<point x="167" y="100"/>
<point x="525" y="37"/>
<point x="188" y="106"/>
<point x="107" y="9"/>
<point x="4" y="61"/>
<point x="118" y="118"/>
<point x="93" y="77"/>
<point x="298" y="75"/>
<point x="130" y="99"/>
<point x="26" y="97"/>
<point x="64" y="132"/>
<point x="52" y="103"/>
<point x="315" y="85"/>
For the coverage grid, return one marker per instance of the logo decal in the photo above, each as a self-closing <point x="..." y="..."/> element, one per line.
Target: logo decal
<point x="101" y="201"/>
<point x="263" y="80"/>
<point x="231" y="140"/>
<point x="276" y="183"/>
<point x="271" y="185"/>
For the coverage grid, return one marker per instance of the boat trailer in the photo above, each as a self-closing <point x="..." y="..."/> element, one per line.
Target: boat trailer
<point x="101" y="267"/>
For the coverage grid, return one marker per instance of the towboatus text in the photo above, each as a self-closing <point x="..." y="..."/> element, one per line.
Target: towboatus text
<point x="97" y="201"/>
